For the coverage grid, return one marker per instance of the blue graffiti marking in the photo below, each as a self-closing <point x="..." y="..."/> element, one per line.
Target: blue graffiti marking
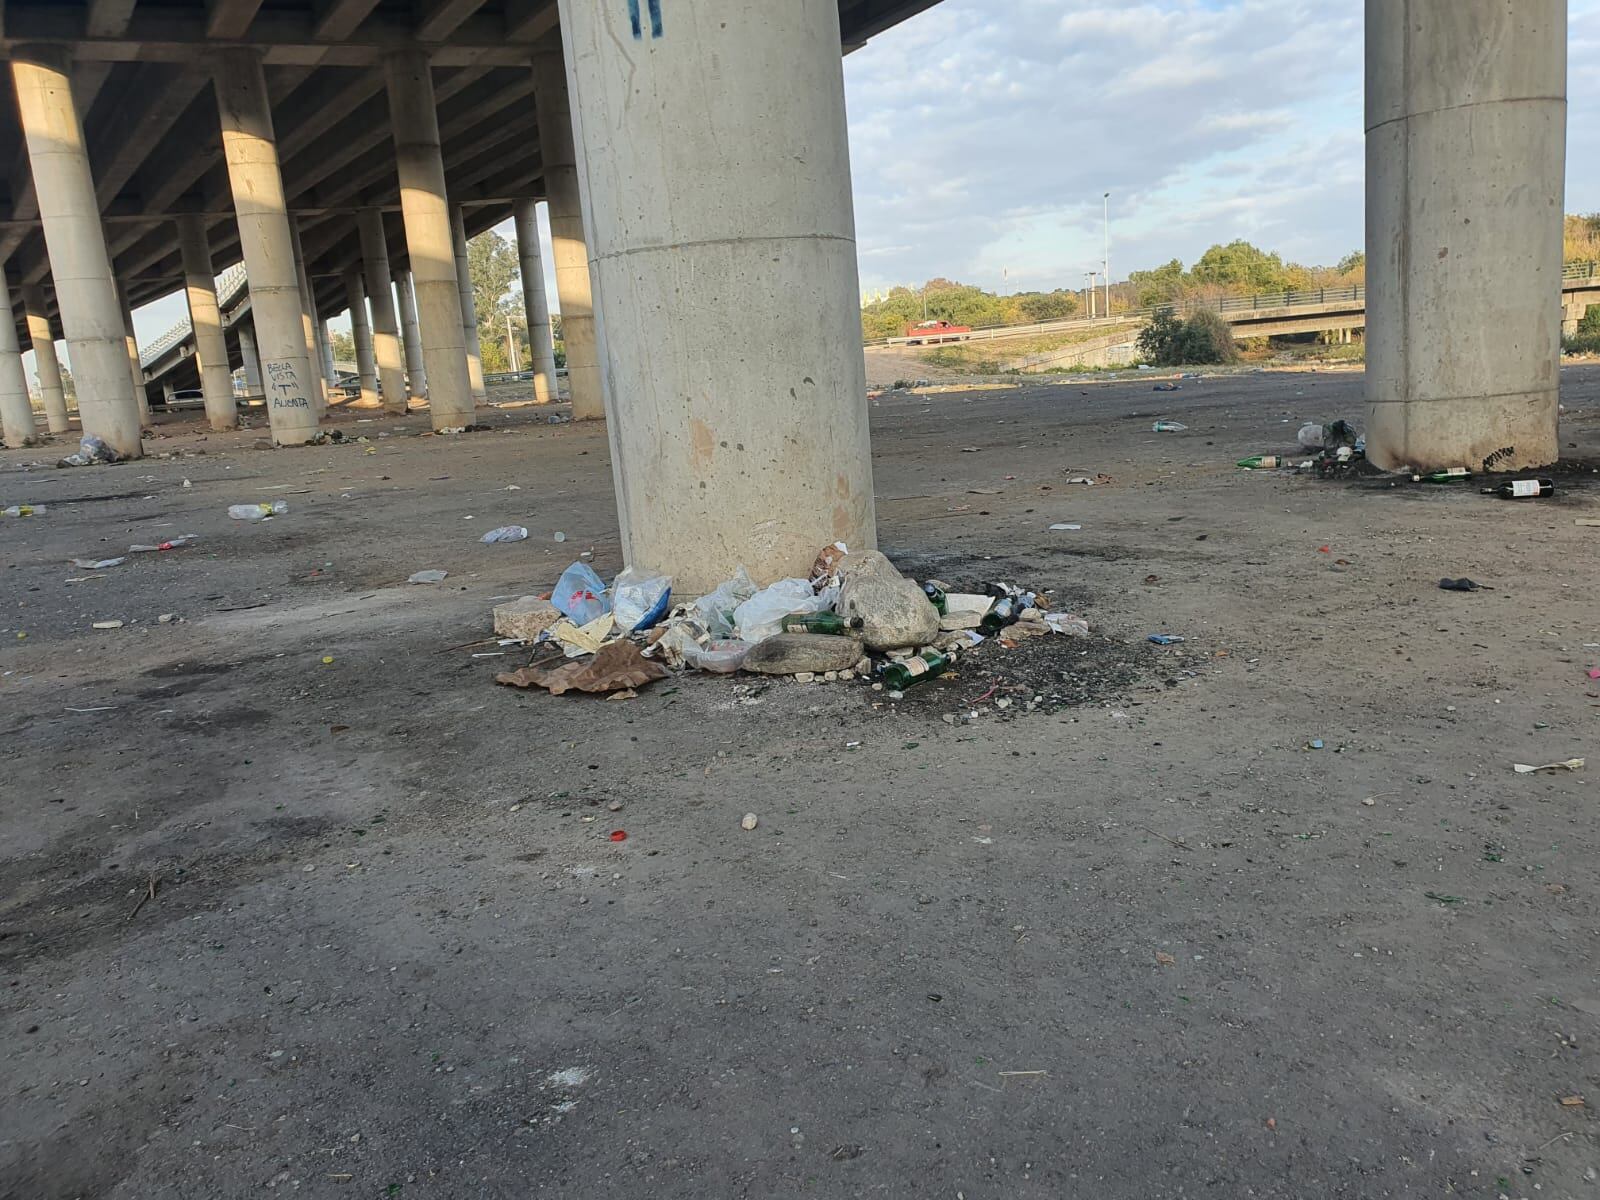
<point x="635" y="19"/>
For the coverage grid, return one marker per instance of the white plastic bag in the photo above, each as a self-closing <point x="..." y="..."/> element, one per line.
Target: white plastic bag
<point x="640" y="599"/>
<point x="506" y="533"/>
<point x="1310" y="436"/>
<point x="715" y="609"/>
<point x="762" y="615"/>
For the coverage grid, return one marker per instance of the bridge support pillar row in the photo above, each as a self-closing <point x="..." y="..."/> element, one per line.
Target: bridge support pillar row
<point x="713" y="203"/>
<point x="385" y="325"/>
<point x="135" y="371"/>
<point x="411" y="333"/>
<point x="569" y="246"/>
<point x="16" y="408"/>
<point x="1571" y="314"/>
<point x="469" y="306"/>
<point x="210" y="347"/>
<point x="76" y="242"/>
<point x="361" y="334"/>
<point x="415" y="120"/>
<point x="536" y="304"/>
<point x="251" y="149"/>
<point x="45" y="363"/>
<point x="1465" y="174"/>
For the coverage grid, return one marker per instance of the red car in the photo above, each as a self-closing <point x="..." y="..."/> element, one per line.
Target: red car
<point x="930" y="332"/>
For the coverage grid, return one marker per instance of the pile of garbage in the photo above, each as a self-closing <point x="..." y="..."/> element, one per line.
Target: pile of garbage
<point x="854" y="617"/>
<point x="1340" y="451"/>
<point x="90" y="450"/>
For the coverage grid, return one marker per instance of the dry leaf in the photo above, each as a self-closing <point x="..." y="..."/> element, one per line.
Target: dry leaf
<point x="1572" y="1102"/>
<point x="1165" y="959"/>
<point x="616" y="667"/>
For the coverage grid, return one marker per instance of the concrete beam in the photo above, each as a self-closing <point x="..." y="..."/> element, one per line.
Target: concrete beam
<point x="530" y="20"/>
<point x="108" y="18"/>
<point x="339" y="19"/>
<point x="444" y="17"/>
<point x="230" y="18"/>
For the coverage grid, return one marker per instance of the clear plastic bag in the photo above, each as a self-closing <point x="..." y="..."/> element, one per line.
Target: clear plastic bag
<point x="581" y="595"/>
<point x="506" y="533"/>
<point x="716" y="608"/>
<point x="640" y="599"/>
<point x="720" y="658"/>
<point x="762" y="615"/>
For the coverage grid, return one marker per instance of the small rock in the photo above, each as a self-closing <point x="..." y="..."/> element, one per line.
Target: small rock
<point x="614" y="806"/>
<point x="795" y="653"/>
<point x="864" y="667"/>
<point x="166" y="618"/>
<point x="750" y="821"/>
<point x="804" y="676"/>
<point x="108" y="624"/>
<point x="831" y="677"/>
<point x="877" y="687"/>
<point x="847" y="675"/>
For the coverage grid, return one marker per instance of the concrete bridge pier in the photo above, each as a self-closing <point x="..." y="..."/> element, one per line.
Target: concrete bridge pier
<point x="469" y="306"/>
<point x="355" y="293"/>
<point x="130" y="343"/>
<point x="1465" y="176"/>
<point x="569" y="241"/>
<point x="210" y="347"/>
<point x="385" y="326"/>
<point x="251" y="150"/>
<point x="308" y="322"/>
<point x="45" y="363"/>
<point x="76" y="243"/>
<point x="412" y="334"/>
<point x="535" y="303"/>
<point x="250" y="359"/>
<point x="717" y="193"/>
<point x="16" y="409"/>
<point x="1572" y="312"/>
<point x="413" y="114"/>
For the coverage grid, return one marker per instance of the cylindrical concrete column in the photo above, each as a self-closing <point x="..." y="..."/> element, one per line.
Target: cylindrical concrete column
<point x="361" y="334"/>
<point x="535" y="303"/>
<point x="79" y="264"/>
<point x="250" y="357"/>
<point x="414" y="118"/>
<point x="1466" y="153"/>
<point x="308" y="319"/>
<point x="385" y="325"/>
<point x="568" y="247"/>
<point x="413" y="334"/>
<point x="325" y="357"/>
<point x="747" y="442"/>
<point x="210" y="347"/>
<point x="45" y="363"/>
<point x="248" y="143"/>
<point x="469" y="306"/>
<point x="135" y="370"/>
<point x="16" y="407"/>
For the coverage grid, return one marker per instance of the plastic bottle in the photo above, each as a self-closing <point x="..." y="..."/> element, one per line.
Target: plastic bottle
<point x="23" y="510"/>
<point x="258" y="512"/>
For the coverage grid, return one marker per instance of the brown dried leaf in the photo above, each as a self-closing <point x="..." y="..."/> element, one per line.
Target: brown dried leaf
<point x="1165" y="959"/>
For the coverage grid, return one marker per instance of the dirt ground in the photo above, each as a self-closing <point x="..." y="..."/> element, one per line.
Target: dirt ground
<point x="1142" y="941"/>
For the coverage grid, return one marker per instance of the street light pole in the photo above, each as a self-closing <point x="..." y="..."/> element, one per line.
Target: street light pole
<point x="1105" y="202"/>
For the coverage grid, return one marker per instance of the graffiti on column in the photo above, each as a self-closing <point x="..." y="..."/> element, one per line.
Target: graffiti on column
<point x="284" y="388"/>
<point x="637" y="19"/>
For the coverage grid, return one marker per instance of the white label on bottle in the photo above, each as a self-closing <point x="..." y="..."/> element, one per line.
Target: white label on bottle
<point x="1524" y="487"/>
<point x="915" y="666"/>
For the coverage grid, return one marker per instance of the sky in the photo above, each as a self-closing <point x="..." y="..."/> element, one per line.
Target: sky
<point x="984" y="132"/>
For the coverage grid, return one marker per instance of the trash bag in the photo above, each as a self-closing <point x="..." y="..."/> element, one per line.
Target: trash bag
<point x="581" y="594"/>
<point x="762" y="615"/>
<point x="506" y="533"/>
<point x="715" y="609"/>
<point x="640" y="599"/>
<point x="91" y="450"/>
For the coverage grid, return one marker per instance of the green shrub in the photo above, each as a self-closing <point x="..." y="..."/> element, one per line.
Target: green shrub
<point x="1204" y="339"/>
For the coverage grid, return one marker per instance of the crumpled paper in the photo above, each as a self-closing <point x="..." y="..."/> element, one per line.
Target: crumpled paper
<point x="613" y="668"/>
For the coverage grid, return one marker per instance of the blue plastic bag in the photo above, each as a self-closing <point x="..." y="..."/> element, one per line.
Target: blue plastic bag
<point x="581" y="595"/>
<point x="640" y="599"/>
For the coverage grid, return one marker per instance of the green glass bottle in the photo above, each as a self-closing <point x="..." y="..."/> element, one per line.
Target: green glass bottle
<point x="905" y="672"/>
<point x="1262" y="462"/>
<point x="936" y="596"/>
<point x="822" y="622"/>
<point x="1448" y="475"/>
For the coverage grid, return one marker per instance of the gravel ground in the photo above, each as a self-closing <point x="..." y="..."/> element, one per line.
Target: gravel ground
<point x="293" y="898"/>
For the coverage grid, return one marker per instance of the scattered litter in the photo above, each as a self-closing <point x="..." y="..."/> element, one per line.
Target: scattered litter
<point x="560" y="537"/>
<point x="1314" y="744"/>
<point x="98" y="564"/>
<point x="578" y="640"/>
<point x="640" y="599"/>
<point x="1571" y="764"/>
<point x="1591" y="522"/>
<point x="1166" y="639"/>
<point x="506" y="533"/>
<point x="1594" y="672"/>
<point x="97" y="708"/>
<point x="581" y="594"/>
<point x="429" y="576"/>
<point x="166" y="618"/>
<point x="614" y="666"/>
<point x="170" y="544"/>
<point x="1572" y="1102"/>
<point x="327" y="660"/>
<point x="24" y="510"/>
<point x="749" y="822"/>
<point x="619" y="835"/>
<point x="1165" y="960"/>
<point x="1167" y="387"/>
<point x="1168" y="427"/>
<point x="1459" y="585"/>
<point x="108" y="625"/>
<point x="264" y="511"/>
<point x="719" y="657"/>
<point x="90" y="450"/>
<point x="1064" y="528"/>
